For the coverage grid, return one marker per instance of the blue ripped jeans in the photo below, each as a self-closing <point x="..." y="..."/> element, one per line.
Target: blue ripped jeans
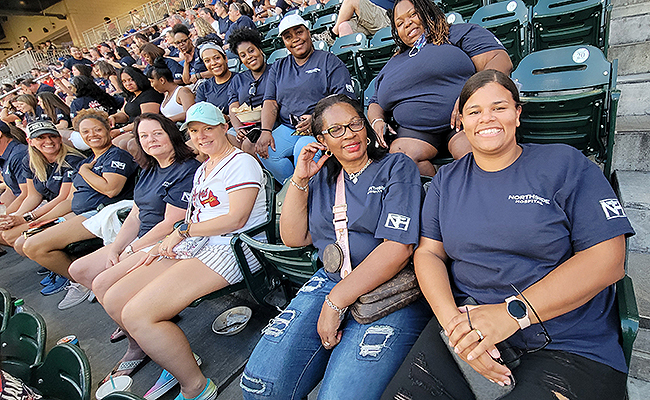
<point x="286" y="145"/>
<point x="289" y="360"/>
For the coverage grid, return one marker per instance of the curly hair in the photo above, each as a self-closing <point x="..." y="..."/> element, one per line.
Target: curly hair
<point x="239" y="36"/>
<point x="91" y="113"/>
<point x="432" y="18"/>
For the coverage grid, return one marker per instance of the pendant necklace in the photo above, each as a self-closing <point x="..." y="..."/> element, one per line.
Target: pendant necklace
<point x="354" y="177"/>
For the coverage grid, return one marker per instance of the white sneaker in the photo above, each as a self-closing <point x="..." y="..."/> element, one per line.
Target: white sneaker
<point x="76" y="295"/>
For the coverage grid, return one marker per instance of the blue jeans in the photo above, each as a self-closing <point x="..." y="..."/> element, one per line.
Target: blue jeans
<point x="286" y="145"/>
<point x="289" y="360"/>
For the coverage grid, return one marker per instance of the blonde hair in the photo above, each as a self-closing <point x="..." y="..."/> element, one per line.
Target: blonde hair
<point x="202" y="27"/>
<point x="38" y="163"/>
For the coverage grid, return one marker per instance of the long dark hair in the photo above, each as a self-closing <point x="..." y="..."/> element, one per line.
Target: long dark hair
<point x="86" y="86"/>
<point x="51" y="102"/>
<point x="159" y="69"/>
<point x="482" y="78"/>
<point x="375" y="152"/>
<point x="182" y="152"/>
<point x="433" y="19"/>
<point x="138" y="77"/>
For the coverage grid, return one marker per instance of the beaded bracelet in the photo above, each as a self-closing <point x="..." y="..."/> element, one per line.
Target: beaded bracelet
<point x="334" y="307"/>
<point x="303" y="188"/>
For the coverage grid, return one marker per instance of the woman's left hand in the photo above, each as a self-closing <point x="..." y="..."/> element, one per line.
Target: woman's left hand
<point x="328" y="327"/>
<point x="168" y="244"/>
<point x="491" y="320"/>
<point x="455" y="121"/>
<point x="304" y="126"/>
<point x="10" y="221"/>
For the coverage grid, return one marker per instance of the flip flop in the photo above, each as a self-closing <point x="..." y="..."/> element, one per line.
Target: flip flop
<point x="126" y="368"/>
<point x="118" y="335"/>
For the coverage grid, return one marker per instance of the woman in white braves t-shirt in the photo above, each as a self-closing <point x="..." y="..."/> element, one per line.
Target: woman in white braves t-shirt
<point x="227" y="197"/>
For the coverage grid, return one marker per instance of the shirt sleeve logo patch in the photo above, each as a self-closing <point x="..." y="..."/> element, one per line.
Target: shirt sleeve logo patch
<point x="612" y="209"/>
<point x="396" y="221"/>
<point x="349" y="87"/>
<point x="118" y="165"/>
<point x="186" y="197"/>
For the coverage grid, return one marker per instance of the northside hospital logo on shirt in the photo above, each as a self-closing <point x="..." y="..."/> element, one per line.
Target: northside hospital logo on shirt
<point x="530" y="198"/>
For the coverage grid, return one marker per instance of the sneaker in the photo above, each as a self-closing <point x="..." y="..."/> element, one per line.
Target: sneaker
<point x="209" y="393"/>
<point x="43" y="271"/>
<point x="165" y="383"/>
<point x="92" y="297"/>
<point x="56" y="286"/>
<point x="76" y="295"/>
<point x="49" y="279"/>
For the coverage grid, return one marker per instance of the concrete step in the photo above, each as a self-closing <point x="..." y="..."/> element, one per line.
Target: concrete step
<point x="630" y="24"/>
<point x="640" y="364"/>
<point x="632" y="143"/>
<point x="633" y="58"/>
<point x="635" y="96"/>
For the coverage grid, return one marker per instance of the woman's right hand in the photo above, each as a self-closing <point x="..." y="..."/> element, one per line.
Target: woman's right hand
<point x="112" y="259"/>
<point x="111" y="121"/>
<point x="379" y="128"/>
<point x="328" y="327"/>
<point x="306" y="167"/>
<point x="262" y="146"/>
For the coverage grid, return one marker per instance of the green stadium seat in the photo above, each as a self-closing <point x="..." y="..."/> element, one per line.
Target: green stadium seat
<point x="454" y="18"/>
<point x="268" y="227"/>
<point x="367" y="95"/>
<point x="64" y="375"/>
<point x="380" y="49"/>
<point x="23" y="344"/>
<point x="321" y="45"/>
<point x="508" y="21"/>
<point x="331" y="7"/>
<point x="268" y="24"/>
<point x="559" y="23"/>
<point x="277" y="54"/>
<point x="464" y="7"/>
<point x="323" y="23"/>
<point x="6" y="309"/>
<point x="233" y="61"/>
<point x="309" y="13"/>
<point x="346" y="48"/>
<point x="569" y="96"/>
<point x="271" y="41"/>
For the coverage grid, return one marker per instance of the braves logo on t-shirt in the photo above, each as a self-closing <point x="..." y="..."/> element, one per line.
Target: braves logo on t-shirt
<point x="207" y="197"/>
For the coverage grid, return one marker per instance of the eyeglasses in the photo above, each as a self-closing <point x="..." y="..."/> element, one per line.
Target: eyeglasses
<point x="182" y="41"/>
<point x="338" y="130"/>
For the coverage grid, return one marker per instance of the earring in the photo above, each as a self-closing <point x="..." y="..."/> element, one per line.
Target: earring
<point x="328" y="153"/>
<point x="368" y="141"/>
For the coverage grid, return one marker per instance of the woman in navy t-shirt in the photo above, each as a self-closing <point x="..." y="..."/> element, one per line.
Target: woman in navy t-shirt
<point x="421" y="83"/>
<point x="215" y="89"/>
<point x="104" y="178"/>
<point x="535" y="236"/>
<point x="47" y="175"/>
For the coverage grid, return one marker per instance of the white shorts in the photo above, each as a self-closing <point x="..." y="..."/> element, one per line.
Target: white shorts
<point x="221" y="259"/>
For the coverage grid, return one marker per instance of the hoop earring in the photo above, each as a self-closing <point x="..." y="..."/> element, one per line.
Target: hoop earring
<point x="328" y="153"/>
<point x="368" y="141"/>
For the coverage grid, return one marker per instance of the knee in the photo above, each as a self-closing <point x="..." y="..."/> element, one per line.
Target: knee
<point x="112" y="301"/>
<point x="32" y="247"/>
<point x="78" y="270"/>
<point x="254" y="387"/>
<point x="134" y="318"/>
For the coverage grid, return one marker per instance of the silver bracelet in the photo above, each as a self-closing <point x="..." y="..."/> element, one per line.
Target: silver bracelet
<point x="334" y="307"/>
<point x="303" y="188"/>
<point x="372" y="125"/>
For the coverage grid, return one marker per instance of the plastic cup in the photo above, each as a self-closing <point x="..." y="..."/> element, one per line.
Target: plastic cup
<point x="122" y="384"/>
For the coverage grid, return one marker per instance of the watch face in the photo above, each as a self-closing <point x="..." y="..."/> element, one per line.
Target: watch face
<point x="183" y="228"/>
<point x="517" y="309"/>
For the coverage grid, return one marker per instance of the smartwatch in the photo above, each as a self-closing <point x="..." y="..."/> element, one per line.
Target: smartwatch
<point x="518" y="311"/>
<point x="184" y="230"/>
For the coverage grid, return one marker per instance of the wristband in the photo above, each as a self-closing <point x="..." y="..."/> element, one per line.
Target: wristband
<point x="29" y="217"/>
<point x="372" y="124"/>
<point x="266" y="130"/>
<point x="333" y="306"/>
<point x="129" y="249"/>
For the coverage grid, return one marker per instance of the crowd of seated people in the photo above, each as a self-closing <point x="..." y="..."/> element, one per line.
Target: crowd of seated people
<point x="151" y="124"/>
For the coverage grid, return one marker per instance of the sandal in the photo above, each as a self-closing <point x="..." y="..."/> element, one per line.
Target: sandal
<point x="118" y="335"/>
<point x="126" y="368"/>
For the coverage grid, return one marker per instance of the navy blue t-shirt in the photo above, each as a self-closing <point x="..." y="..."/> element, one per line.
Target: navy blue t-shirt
<point x="86" y="102"/>
<point x="240" y="88"/>
<point x="224" y="24"/>
<point x="173" y="51"/>
<point x="215" y="93"/>
<point x="383" y="204"/>
<point x="55" y="177"/>
<point x="158" y="187"/>
<point x="59" y="114"/>
<point x="174" y="67"/>
<point x="11" y="163"/>
<point x="115" y="161"/>
<point x="421" y="90"/>
<point x="196" y="64"/>
<point x="517" y="225"/>
<point x="126" y="61"/>
<point x="243" y="22"/>
<point x="45" y="88"/>
<point x="72" y="61"/>
<point x="297" y="88"/>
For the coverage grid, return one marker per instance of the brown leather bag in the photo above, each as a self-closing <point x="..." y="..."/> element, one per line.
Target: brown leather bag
<point x="390" y="296"/>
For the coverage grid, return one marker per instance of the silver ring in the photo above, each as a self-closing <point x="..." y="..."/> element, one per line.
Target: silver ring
<point x="326" y="344"/>
<point x="480" y="335"/>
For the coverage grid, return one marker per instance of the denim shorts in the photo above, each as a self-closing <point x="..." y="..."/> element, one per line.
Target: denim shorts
<point x="89" y="214"/>
<point x="289" y="360"/>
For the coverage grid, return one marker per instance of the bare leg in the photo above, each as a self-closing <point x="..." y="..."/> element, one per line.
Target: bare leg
<point x="85" y="269"/>
<point x="11" y="235"/>
<point x="348" y="8"/>
<point x="109" y="277"/>
<point x="18" y="245"/>
<point x="146" y="317"/>
<point x="459" y="145"/>
<point x="46" y="247"/>
<point x="419" y="151"/>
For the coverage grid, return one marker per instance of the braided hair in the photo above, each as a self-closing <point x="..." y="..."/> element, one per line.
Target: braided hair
<point x="433" y="19"/>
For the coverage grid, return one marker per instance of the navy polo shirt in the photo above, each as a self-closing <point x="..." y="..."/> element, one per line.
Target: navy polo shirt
<point x="55" y="176"/>
<point x="516" y="225"/>
<point x="72" y="61"/>
<point x="11" y="163"/>
<point x="158" y="187"/>
<point x="383" y="204"/>
<point x="115" y="161"/>
<point x="174" y="67"/>
<point x="243" y="21"/>
<point x="215" y="93"/>
<point x="297" y="88"/>
<point x="421" y="90"/>
<point x="240" y="88"/>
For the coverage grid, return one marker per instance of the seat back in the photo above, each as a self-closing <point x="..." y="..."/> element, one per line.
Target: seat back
<point x="464" y="7"/>
<point x="323" y="23"/>
<point x="271" y="41"/>
<point x="569" y="97"/>
<point x="309" y="13"/>
<point x="367" y="95"/>
<point x="64" y="375"/>
<point x="558" y="23"/>
<point x="331" y="7"/>
<point x="277" y="54"/>
<point x="233" y="61"/>
<point x="23" y="344"/>
<point x="380" y="49"/>
<point x="454" y="18"/>
<point x="6" y="309"/>
<point x="346" y="48"/>
<point x="321" y="45"/>
<point x="508" y="21"/>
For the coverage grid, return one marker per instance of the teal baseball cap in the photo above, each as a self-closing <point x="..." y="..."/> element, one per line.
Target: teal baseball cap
<point x="204" y="112"/>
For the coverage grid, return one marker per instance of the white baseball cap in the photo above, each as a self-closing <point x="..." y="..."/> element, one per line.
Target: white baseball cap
<point x="290" y="21"/>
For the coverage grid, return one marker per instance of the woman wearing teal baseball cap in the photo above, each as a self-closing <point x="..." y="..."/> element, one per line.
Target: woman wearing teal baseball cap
<point x="195" y="259"/>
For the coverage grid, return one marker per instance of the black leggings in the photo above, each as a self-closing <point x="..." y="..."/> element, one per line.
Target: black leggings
<point x="430" y="372"/>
